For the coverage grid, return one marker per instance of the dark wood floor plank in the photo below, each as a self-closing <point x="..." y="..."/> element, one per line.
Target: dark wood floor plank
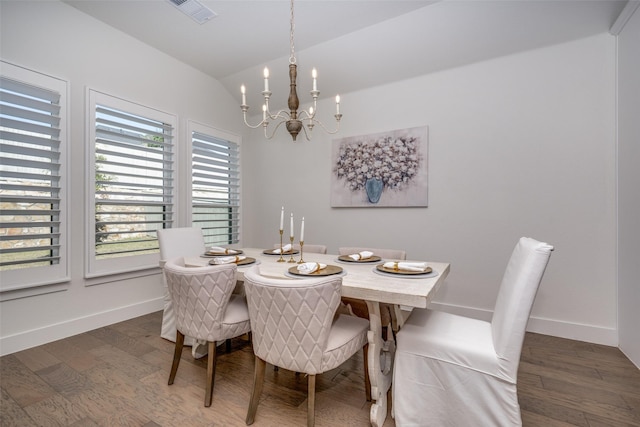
<point x="55" y="411"/>
<point x="11" y="414"/>
<point x="22" y="384"/>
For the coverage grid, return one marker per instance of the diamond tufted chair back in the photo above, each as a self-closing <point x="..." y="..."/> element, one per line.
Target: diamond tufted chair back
<point x="205" y="309"/>
<point x="293" y="327"/>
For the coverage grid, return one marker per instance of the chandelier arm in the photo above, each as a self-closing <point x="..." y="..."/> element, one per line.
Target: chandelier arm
<point x="306" y="135"/>
<point x="282" y="114"/>
<point x="274" y="130"/>
<point x="325" y="128"/>
<point x="252" y="126"/>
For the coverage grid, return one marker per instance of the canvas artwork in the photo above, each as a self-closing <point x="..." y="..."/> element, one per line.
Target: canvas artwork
<point x="386" y="169"/>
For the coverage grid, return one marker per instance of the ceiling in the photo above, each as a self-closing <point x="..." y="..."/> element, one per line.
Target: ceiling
<point x="353" y="44"/>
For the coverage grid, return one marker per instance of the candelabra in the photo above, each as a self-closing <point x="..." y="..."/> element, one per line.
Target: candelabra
<point x="301" y="250"/>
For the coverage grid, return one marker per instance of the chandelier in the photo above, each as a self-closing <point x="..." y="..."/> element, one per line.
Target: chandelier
<point x="295" y="121"/>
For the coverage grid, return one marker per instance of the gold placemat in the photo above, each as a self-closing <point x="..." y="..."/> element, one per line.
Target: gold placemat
<point x="235" y="252"/>
<point x="329" y="270"/>
<point x="381" y="267"/>
<point x="346" y="258"/>
<point x="289" y="252"/>
<point x="247" y="260"/>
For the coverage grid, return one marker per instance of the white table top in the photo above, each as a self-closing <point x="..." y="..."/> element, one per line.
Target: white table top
<point x="360" y="281"/>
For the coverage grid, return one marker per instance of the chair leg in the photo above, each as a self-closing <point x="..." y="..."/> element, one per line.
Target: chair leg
<point x="177" y="353"/>
<point x="367" y="380"/>
<point x="258" y="380"/>
<point x="311" y="400"/>
<point x="211" y="373"/>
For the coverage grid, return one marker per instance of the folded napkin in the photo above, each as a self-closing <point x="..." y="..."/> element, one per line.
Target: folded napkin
<point x="361" y="255"/>
<point x="406" y="266"/>
<point x="310" y="267"/>
<point x="228" y="259"/>
<point x="285" y="248"/>
<point x="219" y="250"/>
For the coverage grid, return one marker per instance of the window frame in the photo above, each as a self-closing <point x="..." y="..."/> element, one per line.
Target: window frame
<point x="17" y="283"/>
<point x="132" y="263"/>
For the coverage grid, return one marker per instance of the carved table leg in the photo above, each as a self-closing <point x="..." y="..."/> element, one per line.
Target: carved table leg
<point x="381" y="355"/>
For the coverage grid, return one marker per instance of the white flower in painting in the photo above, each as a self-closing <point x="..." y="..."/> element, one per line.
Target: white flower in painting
<point x="395" y="161"/>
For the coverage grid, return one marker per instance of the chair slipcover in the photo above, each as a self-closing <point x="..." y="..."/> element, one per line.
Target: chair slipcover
<point x="174" y="243"/>
<point x="293" y="327"/>
<point x="452" y="370"/>
<point x="205" y="309"/>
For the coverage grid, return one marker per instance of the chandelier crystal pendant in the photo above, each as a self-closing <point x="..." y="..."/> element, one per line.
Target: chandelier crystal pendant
<point x="295" y="121"/>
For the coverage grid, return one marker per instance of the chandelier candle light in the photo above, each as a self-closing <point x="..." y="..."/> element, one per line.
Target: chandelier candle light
<point x="295" y="121"/>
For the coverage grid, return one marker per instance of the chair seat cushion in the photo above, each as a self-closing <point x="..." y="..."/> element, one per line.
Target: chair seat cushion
<point x="449" y="338"/>
<point x="348" y="334"/>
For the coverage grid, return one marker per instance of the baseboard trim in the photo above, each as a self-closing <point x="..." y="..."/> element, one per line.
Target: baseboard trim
<point x="35" y="337"/>
<point x="557" y="328"/>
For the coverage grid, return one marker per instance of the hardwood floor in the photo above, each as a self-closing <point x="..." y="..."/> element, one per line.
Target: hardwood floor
<point x="117" y="376"/>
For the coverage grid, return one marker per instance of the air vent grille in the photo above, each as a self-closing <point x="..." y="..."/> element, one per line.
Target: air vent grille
<point x="194" y="9"/>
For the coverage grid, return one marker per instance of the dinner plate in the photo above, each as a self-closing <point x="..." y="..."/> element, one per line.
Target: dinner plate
<point x="246" y="261"/>
<point x="329" y="270"/>
<point x="346" y="258"/>
<point x="289" y="252"/>
<point x="210" y="254"/>
<point x="381" y="267"/>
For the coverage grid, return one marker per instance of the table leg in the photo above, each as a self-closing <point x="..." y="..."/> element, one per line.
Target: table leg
<point x="381" y="355"/>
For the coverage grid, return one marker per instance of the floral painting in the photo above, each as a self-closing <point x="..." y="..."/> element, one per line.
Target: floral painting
<point x="380" y="170"/>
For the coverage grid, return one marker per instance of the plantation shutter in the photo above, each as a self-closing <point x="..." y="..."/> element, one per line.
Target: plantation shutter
<point x="133" y="182"/>
<point x="215" y="188"/>
<point x="30" y="175"/>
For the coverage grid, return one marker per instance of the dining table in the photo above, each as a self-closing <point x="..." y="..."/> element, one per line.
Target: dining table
<point x="362" y="280"/>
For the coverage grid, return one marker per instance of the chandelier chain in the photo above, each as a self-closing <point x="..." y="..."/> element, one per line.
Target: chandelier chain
<point x="292" y="56"/>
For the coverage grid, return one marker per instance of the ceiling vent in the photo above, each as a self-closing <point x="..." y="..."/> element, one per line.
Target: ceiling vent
<point x="195" y="10"/>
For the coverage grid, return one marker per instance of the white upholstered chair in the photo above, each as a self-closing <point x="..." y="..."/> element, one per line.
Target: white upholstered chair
<point x="205" y="309"/>
<point x="452" y="370"/>
<point x="293" y="326"/>
<point x="174" y="243"/>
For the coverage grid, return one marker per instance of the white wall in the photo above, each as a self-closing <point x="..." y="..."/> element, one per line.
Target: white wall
<point x="56" y="39"/>
<point x="629" y="188"/>
<point x="522" y="145"/>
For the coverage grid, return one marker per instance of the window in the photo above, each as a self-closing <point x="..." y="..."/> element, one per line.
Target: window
<point x="131" y="189"/>
<point x="215" y="185"/>
<point x="33" y="241"/>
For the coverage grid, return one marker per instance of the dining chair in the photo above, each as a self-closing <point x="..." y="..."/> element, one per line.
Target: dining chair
<point x="294" y="326"/>
<point x="359" y="307"/>
<point x="206" y="309"/>
<point x="316" y="249"/>
<point x="174" y="243"/>
<point x="458" y="371"/>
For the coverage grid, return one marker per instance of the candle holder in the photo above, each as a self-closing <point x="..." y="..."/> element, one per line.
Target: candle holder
<point x="281" y="259"/>
<point x="291" y="258"/>
<point x="301" y="246"/>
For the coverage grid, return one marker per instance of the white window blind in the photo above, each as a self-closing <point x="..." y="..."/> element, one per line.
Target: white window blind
<point x="215" y="188"/>
<point x="32" y="213"/>
<point x="133" y="183"/>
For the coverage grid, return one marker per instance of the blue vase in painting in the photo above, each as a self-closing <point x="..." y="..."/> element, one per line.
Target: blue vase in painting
<point x="373" y="187"/>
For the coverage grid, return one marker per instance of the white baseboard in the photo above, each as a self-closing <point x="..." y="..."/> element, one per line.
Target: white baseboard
<point x="35" y="337"/>
<point x="557" y="328"/>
